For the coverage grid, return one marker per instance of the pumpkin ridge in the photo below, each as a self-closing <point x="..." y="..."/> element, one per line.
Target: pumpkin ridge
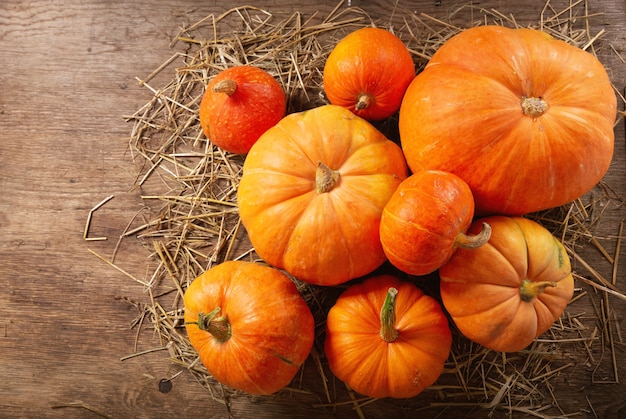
<point x="435" y="353"/>
<point x="483" y="309"/>
<point x="328" y="153"/>
<point x="400" y="354"/>
<point x="505" y="153"/>
<point x="531" y="261"/>
<point x="496" y="334"/>
<point x="344" y="243"/>
<point x="546" y="299"/>
<point x="294" y="141"/>
<point x="392" y="254"/>
<point x="235" y="372"/>
<point x="296" y="138"/>
<point x="313" y="208"/>
<point x="348" y="191"/>
<point x="540" y="306"/>
<point x="506" y="258"/>
<point x="437" y="233"/>
<point x="358" y="148"/>
<point x="514" y="281"/>
<point x="264" y="345"/>
<point x="350" y="308"/>
<point x="295" y="192"/>
<point x="272" y="170"/>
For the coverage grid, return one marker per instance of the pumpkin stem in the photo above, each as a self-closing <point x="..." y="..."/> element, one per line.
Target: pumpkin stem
<point x="388" y="330"/>
<point x="528" y="289"/>
<point x="226" y="86"/>
<point x="363" y="101"/>
<point x="325" y="178"/>
<point x="218" y="327"/>
<point x="533" y="106"/>
<point x="473" y="242"/>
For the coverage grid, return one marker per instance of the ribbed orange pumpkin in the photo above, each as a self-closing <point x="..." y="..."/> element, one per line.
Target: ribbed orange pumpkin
<point x="368" y="72"/>
<point x="312" y="193"/>
<point x="239" y="104"/>
<point x="525" y="119"/>
<point x="425" y="221"/>
<point x="385" y="338"/>
<point x="509" y="291"/>
<point x="250" y="325"/>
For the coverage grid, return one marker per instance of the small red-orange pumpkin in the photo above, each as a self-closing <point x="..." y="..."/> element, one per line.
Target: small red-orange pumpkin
<point x="250" y="325"/>
<point x="239" y="105"/>
<point x="525" y="119"/>
<point x="425" y="221"/>
<point x="510" y="290"/>
<point x="368" y="72"/>
<point x="386" y="338"/>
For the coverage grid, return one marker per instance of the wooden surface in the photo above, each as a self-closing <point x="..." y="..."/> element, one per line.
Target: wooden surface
<point x="68" y="73"/>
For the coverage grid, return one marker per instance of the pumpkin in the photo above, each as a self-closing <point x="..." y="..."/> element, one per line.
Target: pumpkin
<point x="425" y="219"/>
<point x="239" y="104"/>
<point x="525" y="119"/>
<point x="369" y="81"/>
<point x="509" y="291"/>
<point x="249" y="324"/>
<point x="312" y="193"/>
<point x="386" y="338"/>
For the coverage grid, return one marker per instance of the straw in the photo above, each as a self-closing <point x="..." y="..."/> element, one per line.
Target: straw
<point x="189" y="186"/>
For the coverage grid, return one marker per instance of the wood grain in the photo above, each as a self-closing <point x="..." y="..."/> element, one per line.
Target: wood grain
<point x="68" y="76"/>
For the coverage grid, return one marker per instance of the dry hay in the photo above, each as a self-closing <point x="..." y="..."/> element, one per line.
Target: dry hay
<point x="191" y="187"/>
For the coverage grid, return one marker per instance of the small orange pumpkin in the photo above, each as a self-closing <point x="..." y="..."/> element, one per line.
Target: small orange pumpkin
<point x="525" y="119"/>
<point x="239" y="104"/>
<point x="312" y="193"/>
<point x="425" y="220"/>
<point x="368" y="72"/>
<point x="509" y="291"/>
<point x="386" y="338"/>
<point x="250" y="325"/>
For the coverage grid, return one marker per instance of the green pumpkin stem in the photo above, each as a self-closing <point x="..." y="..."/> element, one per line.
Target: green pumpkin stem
<point x="325" y="178"/>
<point x="472" y="242"/>
<point x="218" y="327"/>
<point x="528" y="289"/>
<point x="388" y="330"/>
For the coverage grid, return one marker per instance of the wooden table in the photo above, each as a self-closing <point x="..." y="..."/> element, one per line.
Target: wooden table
<point x="68" y="76"/>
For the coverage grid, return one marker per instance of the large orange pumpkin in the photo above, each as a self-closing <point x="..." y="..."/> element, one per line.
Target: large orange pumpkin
<point x="368" y="72"/>
<point x="509" y="291"/>
<point x="239" y="104"/>
<point x="525" y="119"/>
<point x="385" y="338"/>
<point x="312" y="192"/>
<point x="250" y="325"/>
<point x="425" y="221"/>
